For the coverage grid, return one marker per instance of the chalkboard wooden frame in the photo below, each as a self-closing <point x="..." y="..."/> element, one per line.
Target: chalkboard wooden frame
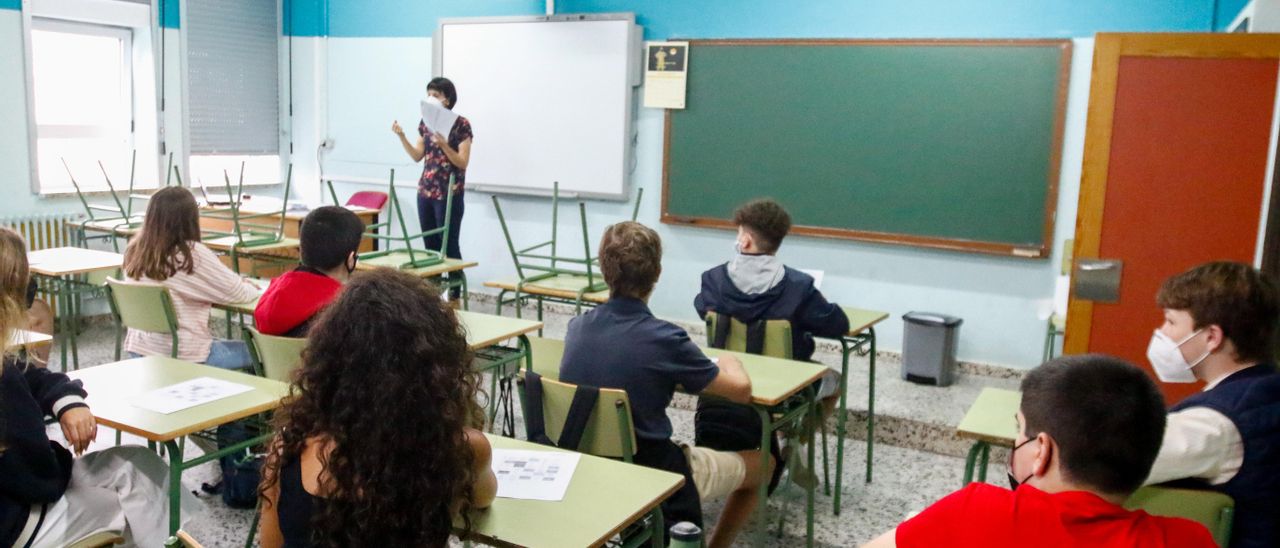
<point x="1042" y="251"/>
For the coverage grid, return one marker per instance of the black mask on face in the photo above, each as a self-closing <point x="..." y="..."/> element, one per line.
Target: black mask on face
<point x="1013" y="481"/>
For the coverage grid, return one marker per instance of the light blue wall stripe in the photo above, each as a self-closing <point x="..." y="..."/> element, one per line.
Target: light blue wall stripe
<point x="355" y="18"/>
<point x="906" y="18"/>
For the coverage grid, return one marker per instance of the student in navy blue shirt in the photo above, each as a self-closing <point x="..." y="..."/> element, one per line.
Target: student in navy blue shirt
<point x="621" y="345"/>
<point x="1219" y="327"/>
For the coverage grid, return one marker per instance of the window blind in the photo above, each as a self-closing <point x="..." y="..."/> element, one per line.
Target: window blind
<point x="234" y="78"/>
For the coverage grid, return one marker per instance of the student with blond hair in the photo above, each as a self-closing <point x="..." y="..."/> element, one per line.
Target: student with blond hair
<point x="48" y="497"/>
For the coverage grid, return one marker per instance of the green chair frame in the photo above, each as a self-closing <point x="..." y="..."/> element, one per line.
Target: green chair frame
<point x="777" y="344"/>
<point x="1214" y="510"/>
<point x="143" y="306"/>
<point x="121" y="214"/>
<point x="249" y="232"/>
<point x="274" y="357"/>
<point x="543" y="261"/>
<point x="609" y="433"/>
<point x="417" y="258"/>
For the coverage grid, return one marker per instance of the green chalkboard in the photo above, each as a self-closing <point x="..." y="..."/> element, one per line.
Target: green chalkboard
<point x="949" y="144"/>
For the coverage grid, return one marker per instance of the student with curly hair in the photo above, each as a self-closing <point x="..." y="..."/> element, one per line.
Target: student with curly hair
<point x="378" y="444"/>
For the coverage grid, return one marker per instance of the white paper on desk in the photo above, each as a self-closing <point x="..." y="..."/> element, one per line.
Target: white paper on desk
<point x="533" y="475"/>
<point x="437" y="118"/>
<point x="188" y="394"/>
<point x="817" y="277"/>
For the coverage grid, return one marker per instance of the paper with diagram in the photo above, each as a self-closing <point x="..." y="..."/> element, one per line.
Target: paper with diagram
<point x="188" y="394"/>
<point x="533" y="475"/>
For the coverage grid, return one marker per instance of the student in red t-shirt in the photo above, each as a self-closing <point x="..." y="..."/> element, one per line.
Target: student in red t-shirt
<point x="328" y="240"/>
<point x="1089" y="428"/>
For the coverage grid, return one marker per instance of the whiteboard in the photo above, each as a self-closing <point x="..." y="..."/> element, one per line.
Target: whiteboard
<point x="549" y="99"/>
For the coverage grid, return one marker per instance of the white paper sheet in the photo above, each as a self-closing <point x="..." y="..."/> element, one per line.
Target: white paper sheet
<point x="817" y="277"/>
<point x="533" y="475"/>
<point x="438" y="119"/>
<point x="188" y="394"/>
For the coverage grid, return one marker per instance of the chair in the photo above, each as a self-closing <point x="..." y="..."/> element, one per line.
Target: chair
<point x="274" y="357"/>
<point x="115" y="220"/>
<point x="606" y="431"/>
<point x="368" y="199"/>
<point x="541" y="263"/>
<point x="98" y="539"/>
<point x="767" y="338"/>
<point x="416" y="258"/>
<point x="143" y="306"/>
<point x="1212" y="509"/>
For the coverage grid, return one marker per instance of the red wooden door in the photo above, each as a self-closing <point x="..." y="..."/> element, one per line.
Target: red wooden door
<point x="1175" y="169"/>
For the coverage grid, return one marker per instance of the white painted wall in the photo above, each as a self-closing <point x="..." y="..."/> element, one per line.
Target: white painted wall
<point x="371" y="81"/>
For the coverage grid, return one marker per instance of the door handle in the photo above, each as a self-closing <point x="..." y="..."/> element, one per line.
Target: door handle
<point x="1097" y="280"/>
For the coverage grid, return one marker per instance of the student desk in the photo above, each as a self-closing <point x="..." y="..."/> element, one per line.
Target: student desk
<point x="63" y="271"/>
<point x="860" y="339"/>
<point x="114" y="228"/>
<point x="282" y="252"/>
<point x="433" y="272"/>
<point x="113" y="386"/>
<point x="564" y="288"/>
<point x="604" y="497"/>
<point x="263" y="205"/>
<point x="989" y="421"/>
<point x="774" y="382"/>
<point x="484" y="332"/>
<point x="23" y="337"/>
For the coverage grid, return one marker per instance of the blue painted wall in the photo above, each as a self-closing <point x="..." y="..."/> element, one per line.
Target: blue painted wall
<point x="770" y="18"/>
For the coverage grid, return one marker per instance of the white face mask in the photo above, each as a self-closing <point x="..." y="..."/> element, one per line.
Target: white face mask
<point x="1166" y="358"/>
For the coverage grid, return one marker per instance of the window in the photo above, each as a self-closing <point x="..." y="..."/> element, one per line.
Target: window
<point x="232" y="53"/>
<point x="82" y="86"/>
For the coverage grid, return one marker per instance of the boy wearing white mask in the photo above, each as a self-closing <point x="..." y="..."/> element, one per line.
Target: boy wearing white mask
<point x="1220" y="321"/>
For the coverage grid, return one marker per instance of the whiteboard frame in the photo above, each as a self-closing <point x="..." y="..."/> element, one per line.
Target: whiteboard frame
<point x="636" y="37"/>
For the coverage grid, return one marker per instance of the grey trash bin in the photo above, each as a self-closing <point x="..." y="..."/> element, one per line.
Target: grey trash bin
<point x="929" y="347"/>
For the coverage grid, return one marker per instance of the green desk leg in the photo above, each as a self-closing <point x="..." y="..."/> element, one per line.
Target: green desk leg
<point x="849" y="345"/>
<point x="978" y="456"/>
<point x="656" y="528"/>
<point x="762" y="501"/>
<point x="176" y="467"/>
<point x="501" y="295"/>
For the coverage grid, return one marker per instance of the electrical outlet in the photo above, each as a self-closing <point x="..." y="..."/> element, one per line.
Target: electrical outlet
<point x="327" y="144"/>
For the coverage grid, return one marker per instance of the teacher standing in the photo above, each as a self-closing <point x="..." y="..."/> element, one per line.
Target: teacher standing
<point x="441" y="157"/>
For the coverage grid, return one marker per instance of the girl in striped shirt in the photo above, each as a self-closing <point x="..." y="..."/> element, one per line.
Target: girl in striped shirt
<point x="168" y="251"/>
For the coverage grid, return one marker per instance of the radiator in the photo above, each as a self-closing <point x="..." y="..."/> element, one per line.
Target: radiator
<point x="42" y="231"/>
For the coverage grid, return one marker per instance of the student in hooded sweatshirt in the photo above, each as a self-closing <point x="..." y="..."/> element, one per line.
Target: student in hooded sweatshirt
<point x="753" y="286"/>
<point x="329" y="239"/>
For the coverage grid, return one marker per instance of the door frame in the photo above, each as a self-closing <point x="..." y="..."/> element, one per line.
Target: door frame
<point x="1107" y="50"/>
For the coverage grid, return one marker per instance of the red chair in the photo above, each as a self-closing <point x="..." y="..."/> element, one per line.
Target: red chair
<point x="369" y="199"/>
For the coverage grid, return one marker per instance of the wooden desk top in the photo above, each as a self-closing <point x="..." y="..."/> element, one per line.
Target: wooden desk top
<point x="394" y="260"/>
<point x="563" y="287"/>
<point x="225" y="243"/>
<point x="604" y="497"/>
<point x="860" y="320"/>
<point x="484" y="330"/>
<point x="113" y="386"/>
<point x="773" y="380"/>
<point x="991" y="417"/>
<point x="65" y="261"/>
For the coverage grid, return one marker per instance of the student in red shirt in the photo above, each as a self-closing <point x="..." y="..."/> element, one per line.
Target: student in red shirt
<point x="328" y="240"/>
<point x="1089" y="428"/>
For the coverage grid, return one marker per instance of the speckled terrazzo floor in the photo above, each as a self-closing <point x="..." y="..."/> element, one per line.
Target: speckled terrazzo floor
<point x="917" y="460"/>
